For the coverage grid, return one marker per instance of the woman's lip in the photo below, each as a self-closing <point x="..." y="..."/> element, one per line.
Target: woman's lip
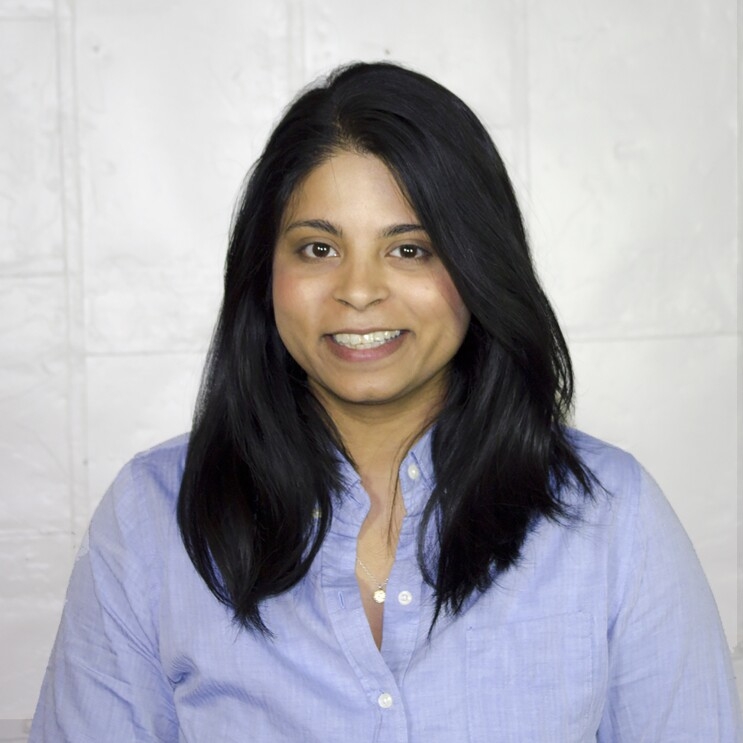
<point x="364" y="354"/>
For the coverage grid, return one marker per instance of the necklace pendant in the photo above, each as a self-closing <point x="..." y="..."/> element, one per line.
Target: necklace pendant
<point x="379" y="595"/>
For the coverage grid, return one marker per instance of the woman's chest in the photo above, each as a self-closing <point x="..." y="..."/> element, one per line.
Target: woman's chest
<point x="514" y="666"/>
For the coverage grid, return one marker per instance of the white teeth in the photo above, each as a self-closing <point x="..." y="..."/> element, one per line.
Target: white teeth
<point x="367" y="340"/>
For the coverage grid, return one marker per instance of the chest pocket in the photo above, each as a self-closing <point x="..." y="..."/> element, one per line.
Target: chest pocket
<point x="531" y="680"/>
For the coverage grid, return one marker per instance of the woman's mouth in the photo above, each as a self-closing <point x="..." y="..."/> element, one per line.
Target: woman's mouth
<point x="364" y="341"/>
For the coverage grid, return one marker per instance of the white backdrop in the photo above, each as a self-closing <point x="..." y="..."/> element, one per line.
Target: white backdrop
<point x="126" y="128"/>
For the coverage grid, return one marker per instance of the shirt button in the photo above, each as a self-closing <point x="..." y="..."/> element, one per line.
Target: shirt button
<point x="384" y="700"/>
<point x="413" y="472"/>
<point x="404" y="597"/>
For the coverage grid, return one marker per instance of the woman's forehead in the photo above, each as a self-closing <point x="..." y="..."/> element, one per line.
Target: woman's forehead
<point x="350" y="182"/>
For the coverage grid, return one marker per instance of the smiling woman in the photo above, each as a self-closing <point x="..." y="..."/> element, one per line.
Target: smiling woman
<point x="381" y="527"/>
<point x="361" y="300"/>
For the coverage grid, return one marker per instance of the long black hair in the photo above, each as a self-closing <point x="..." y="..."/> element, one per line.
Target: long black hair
<point x="262" y="471"/>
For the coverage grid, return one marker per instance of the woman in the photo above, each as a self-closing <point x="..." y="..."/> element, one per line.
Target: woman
<point x="380" y="527"/>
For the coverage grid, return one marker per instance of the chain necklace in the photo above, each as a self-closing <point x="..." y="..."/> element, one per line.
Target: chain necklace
<point x="380" y="593"/>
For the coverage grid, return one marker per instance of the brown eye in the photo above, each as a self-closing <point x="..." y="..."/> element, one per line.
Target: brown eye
<point x="318" y="250"/>
<point x="411" y="252"/>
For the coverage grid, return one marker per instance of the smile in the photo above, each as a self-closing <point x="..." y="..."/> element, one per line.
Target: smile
<point x="364" y="341"/>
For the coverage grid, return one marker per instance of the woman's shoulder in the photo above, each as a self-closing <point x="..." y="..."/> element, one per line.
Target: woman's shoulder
<point x="615" y="473"/>
<point x="163" y="462"/>
<point x="625" y="494"/>
<point x="602" y="458"/>
<point x="141" y="502"/>
<point x="626" y="499"/>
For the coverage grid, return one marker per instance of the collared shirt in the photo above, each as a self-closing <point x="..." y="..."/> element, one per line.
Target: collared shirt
<point x="605" y="631"/>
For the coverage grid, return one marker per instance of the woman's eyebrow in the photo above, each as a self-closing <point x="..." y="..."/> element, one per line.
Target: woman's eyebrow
<point x="325" y="226"/>
<point x="316" y="224"/>
<point x="401" y="229"/>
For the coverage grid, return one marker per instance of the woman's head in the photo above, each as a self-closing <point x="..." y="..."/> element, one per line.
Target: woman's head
<point x="448" y="169"/>
<point x="362" y="302"/>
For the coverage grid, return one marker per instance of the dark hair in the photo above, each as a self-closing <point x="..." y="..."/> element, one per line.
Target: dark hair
<point x="261" y="470"/>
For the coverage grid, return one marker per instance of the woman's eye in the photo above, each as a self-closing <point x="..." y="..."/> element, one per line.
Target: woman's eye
<point x="318" y="250"/>
<point x="415" y="252"/>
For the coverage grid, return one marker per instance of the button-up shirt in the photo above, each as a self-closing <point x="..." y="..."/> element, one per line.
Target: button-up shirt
<point x="606" y="631"/>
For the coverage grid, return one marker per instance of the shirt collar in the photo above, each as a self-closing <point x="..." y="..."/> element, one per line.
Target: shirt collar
<point x="416" y="478"/>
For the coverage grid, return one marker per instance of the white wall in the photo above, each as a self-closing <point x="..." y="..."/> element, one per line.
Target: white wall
<point x="125" y="131"/>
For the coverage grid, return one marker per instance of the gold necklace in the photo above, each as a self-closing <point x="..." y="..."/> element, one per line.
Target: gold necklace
<point x="380" y="593"/>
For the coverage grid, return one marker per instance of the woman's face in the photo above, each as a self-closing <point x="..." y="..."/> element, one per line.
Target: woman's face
<point x="361" y="300"/>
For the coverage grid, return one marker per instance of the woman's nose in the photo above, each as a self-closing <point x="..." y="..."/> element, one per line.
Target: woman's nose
<point x="361" y="282"/>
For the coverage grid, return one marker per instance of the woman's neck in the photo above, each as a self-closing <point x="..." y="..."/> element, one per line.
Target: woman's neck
<point x="377" y="444"/>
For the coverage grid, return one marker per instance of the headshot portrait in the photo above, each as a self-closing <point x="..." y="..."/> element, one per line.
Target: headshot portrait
<point x="370" y="373"/>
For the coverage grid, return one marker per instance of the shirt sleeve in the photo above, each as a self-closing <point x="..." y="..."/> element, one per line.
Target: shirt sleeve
<point x="104" y="681"/>
<point x="670" y="670"/>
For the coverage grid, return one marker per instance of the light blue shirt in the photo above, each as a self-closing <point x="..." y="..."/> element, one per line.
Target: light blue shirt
<point x="606" y="631"/>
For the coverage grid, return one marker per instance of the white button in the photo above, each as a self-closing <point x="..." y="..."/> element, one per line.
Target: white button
<point x="413" y="472"/>
<point x="404" y="597"/>
<point x="385" y="700"/>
